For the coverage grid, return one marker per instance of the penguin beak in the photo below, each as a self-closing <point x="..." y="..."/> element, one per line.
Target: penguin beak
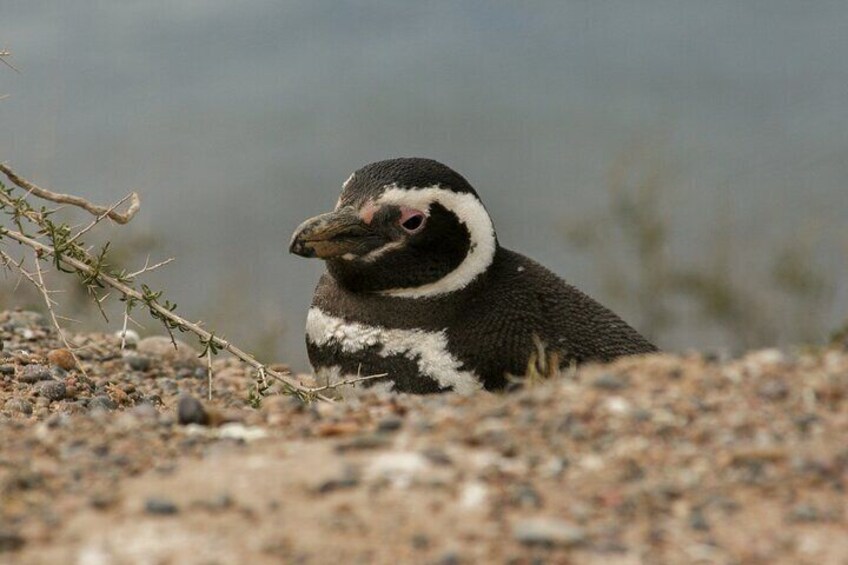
<point x="334" y="234"/>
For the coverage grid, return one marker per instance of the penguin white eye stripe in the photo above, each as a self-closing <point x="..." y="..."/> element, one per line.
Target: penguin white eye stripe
<point x="470" y="211"/>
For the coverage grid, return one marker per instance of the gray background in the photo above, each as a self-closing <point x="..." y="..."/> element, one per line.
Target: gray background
<point x="236" y="120"/>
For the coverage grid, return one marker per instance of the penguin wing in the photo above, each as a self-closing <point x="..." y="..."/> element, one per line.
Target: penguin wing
<point x="531" y="321"/>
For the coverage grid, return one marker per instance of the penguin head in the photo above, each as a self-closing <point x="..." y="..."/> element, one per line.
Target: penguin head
<point x="410" y="228"/>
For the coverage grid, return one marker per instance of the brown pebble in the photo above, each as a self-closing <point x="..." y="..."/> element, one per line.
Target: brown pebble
<point x="62" y="358"/>
<point x="118" y="395"/>
<point x="338" y="429"/>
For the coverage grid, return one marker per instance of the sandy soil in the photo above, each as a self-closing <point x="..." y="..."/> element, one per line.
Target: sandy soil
<point x="661" y="459"/>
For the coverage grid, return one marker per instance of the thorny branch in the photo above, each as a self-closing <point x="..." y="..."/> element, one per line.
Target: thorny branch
<point x="48" y="302"/>
<point x="162" y="313"/>
<point x="6" y="53"/>
<point x="350" y="381"/>
<point x="70" y="256"/>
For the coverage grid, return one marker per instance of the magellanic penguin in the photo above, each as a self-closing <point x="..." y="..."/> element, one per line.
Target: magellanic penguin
<point x="417" y="287"/>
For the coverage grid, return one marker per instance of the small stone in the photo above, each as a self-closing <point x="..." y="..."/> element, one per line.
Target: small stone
<point x="548" y="532"/>
<point x="35" y="373"/>
<point x="169" y="386"/>
<point x="52" y="390"/>
<point x="58" y="373"/>
<point x="183" y="355"/>
<point x="437" y="456"/>
<point x="526" y="496"/>
<point x="217" y="503"/>
<point x="18" y="405"/>
<point x="144" y="411"/>
<point x="420" y="541"/>
<point x="102" y="500"/>
<point x="130" y="337"/>
<point x="10" y="540"/>
<point x="153" y="399"/>
<point x="101" y="402"/>
<point x="62" y="358"/>
<point x="160" y="506"/>
<point x="362" y="442"/>
<point x="449" y="557"/>
<point x="239" y="432"/>
<point x="137" y="362"/>
<point x="191" y="411"/>
<point x="608" y="381"/>
<point x="773" y="389"/>
<point x="7" y="369"/>
<point x="804" y="513"/>
<point x="698" y="521"/>
<point x="389" y="424"/>
<point x="348" y="478"/>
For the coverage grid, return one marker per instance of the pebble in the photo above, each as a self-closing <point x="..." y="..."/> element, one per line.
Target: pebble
<point x="19" y="405"/>
<point x="449" y="557"/>
<point x="365" y="441"/>
<point x="608" y="381"/>
<point x="10" y="540"/>
<point x="240" y="432"/>
<point x="7" y="369"/>
<point x="525" y="496"/>
<point x="437" y="456"/>
<point x="62" y="358"/>
<point x="138" y="362"/>
<point x="217" y="503"/>
<point x="773" y="389"/>
<point x="698" y="521"/>
<point x="191" y="411"/>
<point x="101" y="402"/>
<point x="399" y="468"/>
<point x="35" y="373"/>
<point x="348" y="478"/>
<point x="131" y="338"/>
<point x="162" y="347"/>
<point x="804" y="513"/>
<point x="549" y="532"/>
<point x="52" y="390"/>
<point x="102" y="500"/>
<point x="389" y="424"/>
<point x="160" y="506"/>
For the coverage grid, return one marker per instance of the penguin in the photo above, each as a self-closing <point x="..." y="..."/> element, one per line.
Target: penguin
<point x="418" y="289"/>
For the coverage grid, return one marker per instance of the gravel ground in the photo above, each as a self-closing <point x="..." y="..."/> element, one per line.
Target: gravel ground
<point x="660" y="459"/>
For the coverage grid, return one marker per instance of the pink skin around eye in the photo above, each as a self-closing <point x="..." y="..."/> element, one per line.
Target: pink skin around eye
<point x="407" y="214"/>
<point x="367" y="213"/>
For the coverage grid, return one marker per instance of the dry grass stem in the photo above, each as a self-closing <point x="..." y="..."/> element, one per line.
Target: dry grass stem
<point x="350" y="381"/>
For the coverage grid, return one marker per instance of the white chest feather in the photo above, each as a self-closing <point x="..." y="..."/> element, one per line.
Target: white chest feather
<point x="427" y="349"/>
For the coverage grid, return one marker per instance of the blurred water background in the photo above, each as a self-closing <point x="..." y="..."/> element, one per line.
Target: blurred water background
<point x="684" y="162"/>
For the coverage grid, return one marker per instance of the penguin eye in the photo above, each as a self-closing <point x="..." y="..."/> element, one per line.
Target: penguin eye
<point x="412" y="220"/>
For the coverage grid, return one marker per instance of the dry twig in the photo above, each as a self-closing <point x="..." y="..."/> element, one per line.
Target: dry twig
<point x="79" y="202"/>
